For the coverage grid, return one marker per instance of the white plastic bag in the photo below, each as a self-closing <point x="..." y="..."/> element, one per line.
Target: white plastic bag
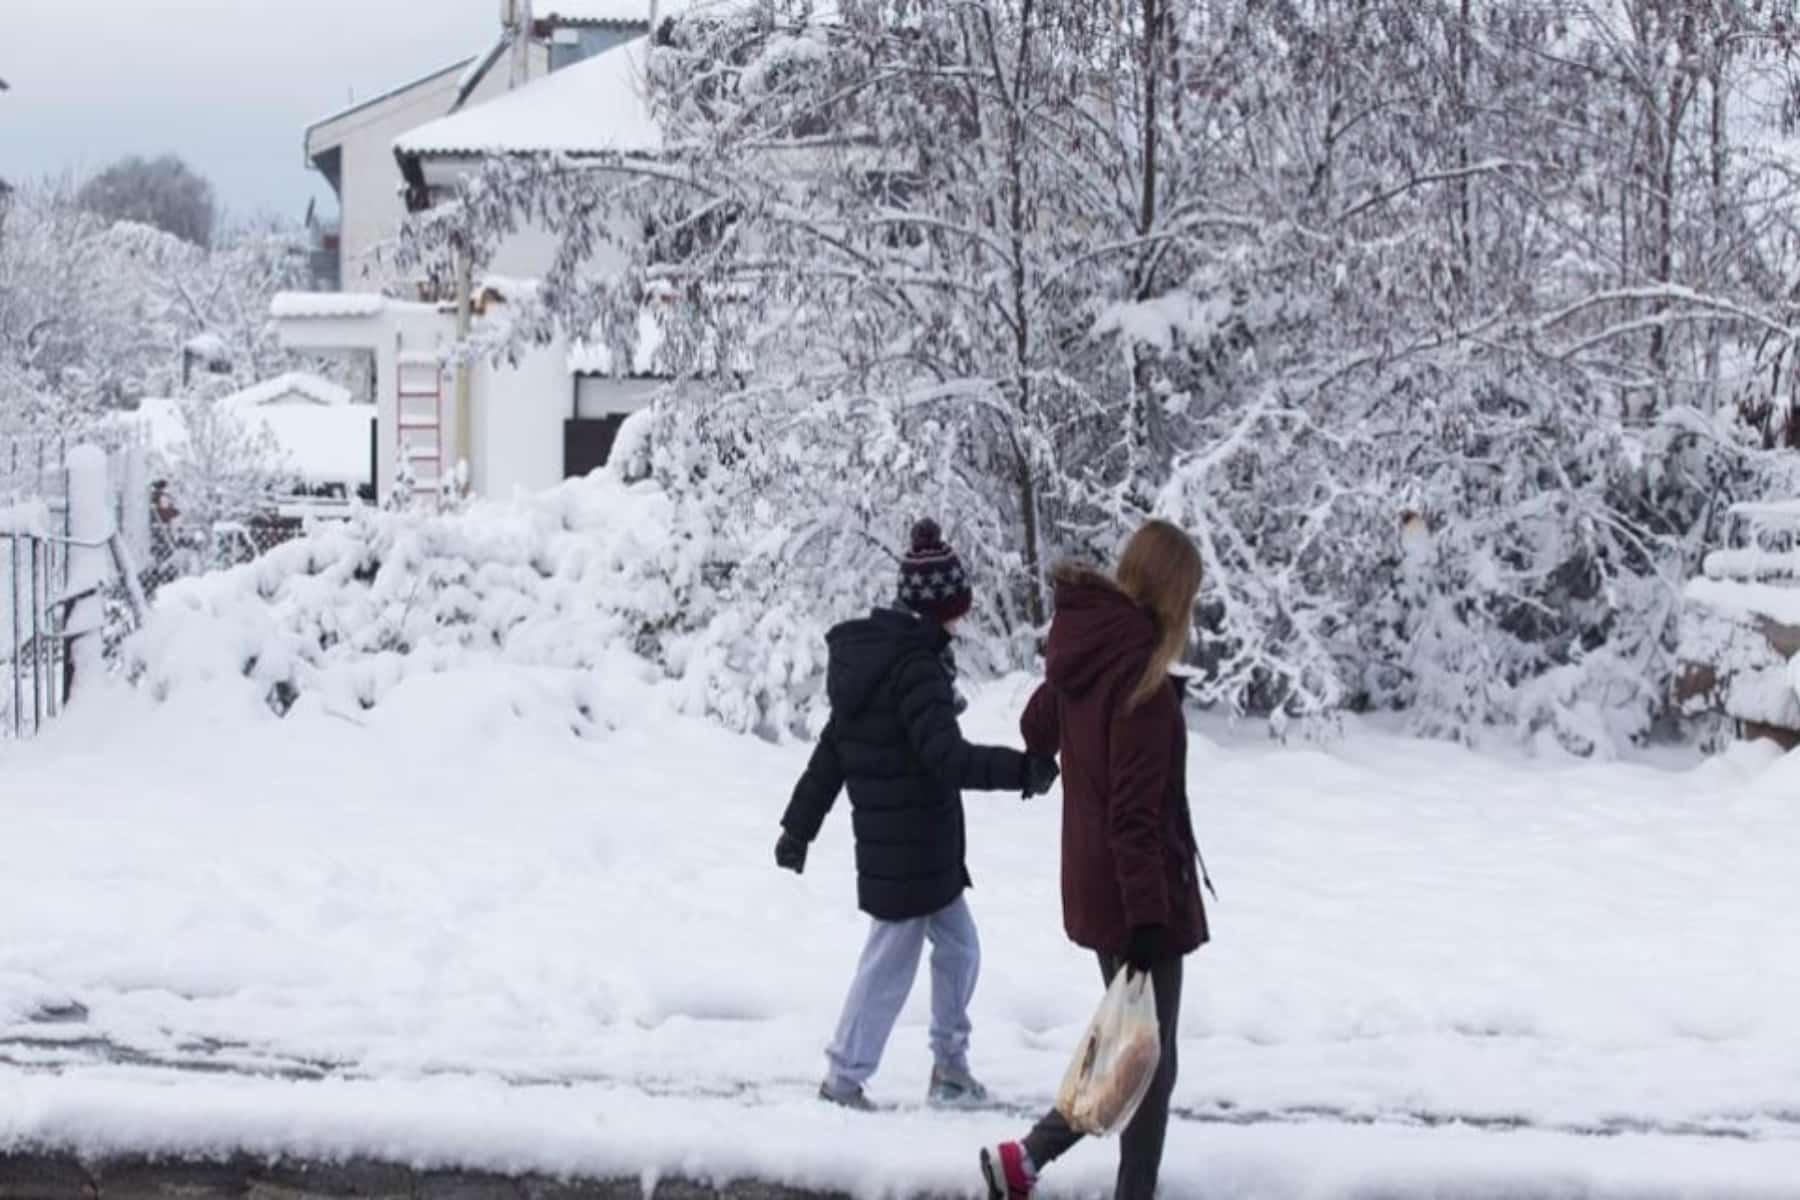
<point x="1116" y="1060"/>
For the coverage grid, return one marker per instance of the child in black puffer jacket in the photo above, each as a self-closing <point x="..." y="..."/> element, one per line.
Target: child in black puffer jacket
<point x="893" y="738"/>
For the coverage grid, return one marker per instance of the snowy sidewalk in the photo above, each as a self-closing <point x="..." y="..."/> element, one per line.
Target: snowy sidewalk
<point x="597" y="1133"/>
<point x="462" y="930"/>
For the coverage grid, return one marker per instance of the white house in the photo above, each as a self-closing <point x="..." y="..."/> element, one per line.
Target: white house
<point x="354" y="150"/>
<point x="552" y="414"/>
<point x="517" y="411"/>
<point x="322" y="433"/>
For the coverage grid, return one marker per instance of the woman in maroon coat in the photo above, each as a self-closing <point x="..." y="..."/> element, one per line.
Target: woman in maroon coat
<point x="1130" y="892"/>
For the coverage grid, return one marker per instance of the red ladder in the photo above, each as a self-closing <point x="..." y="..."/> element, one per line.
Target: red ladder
<point x="419" y="427"/>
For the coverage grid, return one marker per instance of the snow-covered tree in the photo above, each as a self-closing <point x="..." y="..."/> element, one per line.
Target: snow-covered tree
<point x="164" y="193"/>
<point x="1446" y="327"/>
<point x="223" y="470"/>
<point x="95" y="314"/>
<point x="78" y="327"/>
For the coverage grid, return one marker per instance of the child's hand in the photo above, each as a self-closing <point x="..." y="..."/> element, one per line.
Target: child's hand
<point x="1041" y="774"/>
<point x="790" y="853"/>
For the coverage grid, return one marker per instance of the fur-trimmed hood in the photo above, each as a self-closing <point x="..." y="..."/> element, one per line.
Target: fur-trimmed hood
<point x="1097" y="631"/>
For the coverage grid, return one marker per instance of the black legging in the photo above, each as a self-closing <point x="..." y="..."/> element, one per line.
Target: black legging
<point x="1141" y="1145"/>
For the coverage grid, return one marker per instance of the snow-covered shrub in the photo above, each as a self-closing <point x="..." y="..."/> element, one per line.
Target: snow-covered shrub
<point x="566" y="580"/>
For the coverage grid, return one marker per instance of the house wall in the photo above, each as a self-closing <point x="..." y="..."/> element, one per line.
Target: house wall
<point x="518" y="416"/>
<point x="371" y="203"/>
<point x="398" y="329"/>
<point x="599" y="396"/>
<point x="526" y="254"/>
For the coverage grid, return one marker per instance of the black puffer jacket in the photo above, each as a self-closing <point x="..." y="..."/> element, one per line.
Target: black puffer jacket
<point x="894" y="739"/>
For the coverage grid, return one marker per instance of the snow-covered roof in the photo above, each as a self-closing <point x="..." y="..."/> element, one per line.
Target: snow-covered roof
<point x="304" y="306"/>
<point x="401" y="89"/>
<point x="596" y="357"/>
<point x="593" y="107"/>
<point x="324" y="443"/>
<point x="209" y="346"/>
<point x="310" y="389"/>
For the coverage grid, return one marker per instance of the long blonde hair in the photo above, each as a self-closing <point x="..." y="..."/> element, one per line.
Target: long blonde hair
<point x="1161" y="571"/>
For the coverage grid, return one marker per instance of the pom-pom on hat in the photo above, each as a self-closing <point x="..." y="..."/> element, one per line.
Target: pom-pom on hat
<point x="932" y="580"/>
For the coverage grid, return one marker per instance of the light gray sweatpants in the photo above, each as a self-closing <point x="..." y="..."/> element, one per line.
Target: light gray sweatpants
<point x="884" y="979"/>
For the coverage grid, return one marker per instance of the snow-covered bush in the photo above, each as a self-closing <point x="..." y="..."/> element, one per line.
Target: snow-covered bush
<point x="567" y="580"/>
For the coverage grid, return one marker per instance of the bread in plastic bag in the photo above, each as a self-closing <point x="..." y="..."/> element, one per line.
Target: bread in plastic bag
<point x="1116" y="1060"/>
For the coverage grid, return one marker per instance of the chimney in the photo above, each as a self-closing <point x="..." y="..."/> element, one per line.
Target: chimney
<point x="519" y="73"/>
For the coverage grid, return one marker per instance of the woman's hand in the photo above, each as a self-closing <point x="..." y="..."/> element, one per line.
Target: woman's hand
<point x="1041" y="773"/>
<point x="1143" y="948"/>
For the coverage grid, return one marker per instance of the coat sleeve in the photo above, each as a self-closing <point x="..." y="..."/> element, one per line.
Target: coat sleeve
<point x="817" y="790"/>
<point x="1141" y="759"/>
<point x="1041" y="725"/>
<point x="928" y="710"/>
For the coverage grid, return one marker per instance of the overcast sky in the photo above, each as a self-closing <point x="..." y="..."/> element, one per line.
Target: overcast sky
<point x="230" y="85"/>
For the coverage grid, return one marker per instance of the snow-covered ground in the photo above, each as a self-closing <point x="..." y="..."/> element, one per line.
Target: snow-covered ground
<point x="460" y="928"/>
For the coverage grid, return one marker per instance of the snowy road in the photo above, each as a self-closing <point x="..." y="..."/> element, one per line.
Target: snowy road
<point x="471" y="927"/>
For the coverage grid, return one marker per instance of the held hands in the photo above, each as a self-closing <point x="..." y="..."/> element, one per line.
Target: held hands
<point x="1040" y="774"/>
<point x="790" y="854"/>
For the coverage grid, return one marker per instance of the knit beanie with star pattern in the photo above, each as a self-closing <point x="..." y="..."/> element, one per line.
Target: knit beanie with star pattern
<point x="932" y="580"/>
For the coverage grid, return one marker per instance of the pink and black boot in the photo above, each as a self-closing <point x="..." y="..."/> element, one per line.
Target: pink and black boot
<point x="1008" y="1171"/>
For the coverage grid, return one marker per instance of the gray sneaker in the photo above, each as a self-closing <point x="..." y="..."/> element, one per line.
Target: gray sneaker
<point x="851" y="1098"/>
<point x="954" y="1087"/>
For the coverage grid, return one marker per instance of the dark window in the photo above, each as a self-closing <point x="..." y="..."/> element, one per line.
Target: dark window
<point x="588" y="443"/>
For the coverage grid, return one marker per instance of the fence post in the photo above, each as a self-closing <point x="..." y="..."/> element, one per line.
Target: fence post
<point x="136" y="501"/>
<point x="17" y="639"/>
<point x="90" y="525"/>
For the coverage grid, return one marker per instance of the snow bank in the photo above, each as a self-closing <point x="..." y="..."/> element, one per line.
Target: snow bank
<point x="594" y="1131"/>
<point x="567" y="579"/>
<point x="494" y="940"/>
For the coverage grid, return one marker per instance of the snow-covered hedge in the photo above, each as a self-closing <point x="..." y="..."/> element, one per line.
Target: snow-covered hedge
<point x="565" y="579"/>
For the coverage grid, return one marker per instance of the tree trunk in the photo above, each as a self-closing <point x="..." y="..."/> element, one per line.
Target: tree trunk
<point x="1464" y="201"/>
<point x="1720" y="155"/>
<point x="1030" y="517"/>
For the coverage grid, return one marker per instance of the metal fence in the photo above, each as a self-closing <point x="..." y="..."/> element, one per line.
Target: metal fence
<point x="34" y="670"/>
<point x="31" y="467"/>
<point x="39" y="622"/>
<point x="42" y="618"/>
<point x="179" y="549"/>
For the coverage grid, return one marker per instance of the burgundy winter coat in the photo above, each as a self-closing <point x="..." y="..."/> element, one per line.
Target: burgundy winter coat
<point x="1128" y="852"/>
